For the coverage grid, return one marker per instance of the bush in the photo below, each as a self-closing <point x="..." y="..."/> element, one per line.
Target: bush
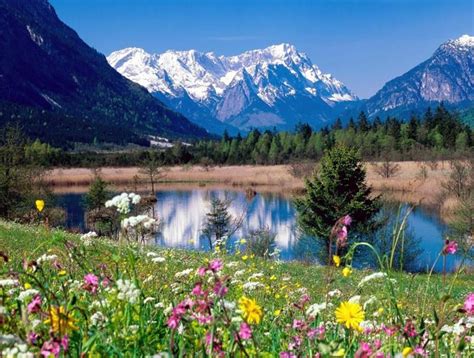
<point x="260" y="243"/>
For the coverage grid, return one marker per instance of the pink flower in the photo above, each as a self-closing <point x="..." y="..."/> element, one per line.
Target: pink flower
<point x="342" y="235"/>
<point x="216" y="265"/>
<point x="319" y="331"/>
<point x="220" y="289"/>
<point x="197" y="290"/>
<point x="420" y="351"/>
<point x="202" y="271"/>
<point x="173" y="321"/>
<point x="65" y="343"/>
<point x="35" y="304"/>
<point x="32" y="338"/>
<point x="287" y="355"/>
<point x="245" y="332"/>
<point x="347" y="220"/>
<point x="49" y="348"/>
<point x="377" y="343"/>
<point x="469" y="304"/>
<point x="409" y="329"/>
<point x="91" y="282"/>
<point x="298" y="324"/>
<point x="450" y="247"/>
<point x="105" y="282"/>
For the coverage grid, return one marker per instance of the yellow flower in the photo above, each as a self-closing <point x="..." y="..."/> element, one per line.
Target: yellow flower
<point x="346" y="271"/>
<point x="337" y="260"/>
<point x="39" y="205"/>
<point x="277" y="312"/>
<point x="339" y="353"/>
<point x="245" y="257"/>
<point x="350" y="314"/>
<point x="277" y="296"/>
<point x="406" y="351"/>
<point x="273" y="278"/>
<point x="27" y="286"/>
<point x="62" y="273"/>
<point x="243" y="241"/>
<point x="251" y="311"/>
<point x="60" y="321"/>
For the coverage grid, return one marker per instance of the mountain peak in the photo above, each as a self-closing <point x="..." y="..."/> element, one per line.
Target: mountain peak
<point x="465" y="40"/>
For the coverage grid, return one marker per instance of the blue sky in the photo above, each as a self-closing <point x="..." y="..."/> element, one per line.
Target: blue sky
<point x="363" y="43"/>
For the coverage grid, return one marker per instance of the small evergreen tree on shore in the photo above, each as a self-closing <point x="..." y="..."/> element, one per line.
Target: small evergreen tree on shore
<point x="339" y="188"/>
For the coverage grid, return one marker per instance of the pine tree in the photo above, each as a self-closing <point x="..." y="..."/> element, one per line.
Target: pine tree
<point x="218" y="222"/>
<point x="364" y="124"/>
<point x="338" y="189"/>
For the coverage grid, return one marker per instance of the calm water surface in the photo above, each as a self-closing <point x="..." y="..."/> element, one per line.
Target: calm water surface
<point x="183" y="213"/>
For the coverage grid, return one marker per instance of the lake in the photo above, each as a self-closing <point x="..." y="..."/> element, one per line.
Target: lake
<point x="183" y="213"/>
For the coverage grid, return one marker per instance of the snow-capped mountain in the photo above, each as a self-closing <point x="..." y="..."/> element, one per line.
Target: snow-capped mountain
<point x="276" y="86"/>
<point x="448" y="76"/>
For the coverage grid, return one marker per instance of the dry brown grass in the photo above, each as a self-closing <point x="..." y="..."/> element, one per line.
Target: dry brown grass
<point x="407" y="184"/>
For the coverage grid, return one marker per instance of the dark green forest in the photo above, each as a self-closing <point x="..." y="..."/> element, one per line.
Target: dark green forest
<point x="437" y="134"/>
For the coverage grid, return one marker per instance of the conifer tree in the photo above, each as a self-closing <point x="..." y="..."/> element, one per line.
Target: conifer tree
<point x="339" y="188"/>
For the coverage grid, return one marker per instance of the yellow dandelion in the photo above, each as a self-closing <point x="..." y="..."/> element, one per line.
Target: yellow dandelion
<point x="337" y="260"/>
<point x="243" y="241"/>
<point x="350" y="314"/>
<point x="251" y="311"/>
<point x="406" y="351"/>
<point x="61" y="322"/>
<point x="346" y="271"/>
<point x="277" y="313"/>
<point x="245" y="257"/>
<point x="62" y="273"/>
<point x="39" y="205"/>
<point x="27" y="286"/>
<point x="339" y="353"/>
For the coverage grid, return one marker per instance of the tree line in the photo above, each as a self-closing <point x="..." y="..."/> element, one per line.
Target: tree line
<point x="437" y="134"/>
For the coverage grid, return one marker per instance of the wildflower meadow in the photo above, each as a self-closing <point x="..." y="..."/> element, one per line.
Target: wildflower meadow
<point x="69" y="295"/>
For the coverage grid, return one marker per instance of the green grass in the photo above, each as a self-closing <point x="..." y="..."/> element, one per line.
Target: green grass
<point x="281" y="287"/>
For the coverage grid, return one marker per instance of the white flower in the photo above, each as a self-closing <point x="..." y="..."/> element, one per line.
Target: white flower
<point x="229" y="305"/>
<point x="232" y="264"/>
<point x="334" y="293"/>
<point x="127" y="291"/>
<point x="367" y="325"/>
<point x="371" y="277"/>
<point x="180" y="328"/>
<point x="149" y="299"/>
<point x="88" y="238"/>
<point x="140" y="220"/>
<point x="46" y="258"/>
<point x="183" y="273"/>
<point x="371" y="300"/>
<point x="122" y="202"/>
<point x="98" y="318"/>
<point x="3" y="310"/>
<point x="255" y="276"/>
<point x="7" y="282"/>
<point x="252" y="285"/>
<point x="20" y="350"/>
<point x="354" y="299"/>
<point x="35" y="323"/>
<point x="148" y="279"/>
<point x="158" y="260"/>
<point x="239" y="273"/>
<point x="26" y="294"/>
<point x="315" y="309"/>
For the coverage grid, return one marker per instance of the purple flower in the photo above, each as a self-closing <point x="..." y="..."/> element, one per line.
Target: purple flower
<point x="220" y="289"/>
<point x="342" y="235"/>
<point x="202" y="271"/>
<point x="450" y="247"/>
<point x="32" y="338"/>
<point x="347" y="220"/>
<point x="197" y="290"/>
<point x="245" y="332"/>
<point x="287" y="355"/>
<point x="469" y="304"/>
<point x="35" y="304"/>
<point x="216" y="265"/>
<point x="173" y="321"/>
<point x="91" y="282"/>
<point x="49" y="348"/>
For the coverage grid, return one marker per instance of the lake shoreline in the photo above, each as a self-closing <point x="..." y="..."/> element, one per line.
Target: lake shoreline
<point x="407" y="185"/>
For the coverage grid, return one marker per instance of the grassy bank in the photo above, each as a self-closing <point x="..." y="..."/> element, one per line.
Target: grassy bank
<point x="101" y="298"/>
<point x="407" y="185"/>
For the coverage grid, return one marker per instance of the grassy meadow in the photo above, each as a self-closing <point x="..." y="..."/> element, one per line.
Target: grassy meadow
<point x="62" y="294"/>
